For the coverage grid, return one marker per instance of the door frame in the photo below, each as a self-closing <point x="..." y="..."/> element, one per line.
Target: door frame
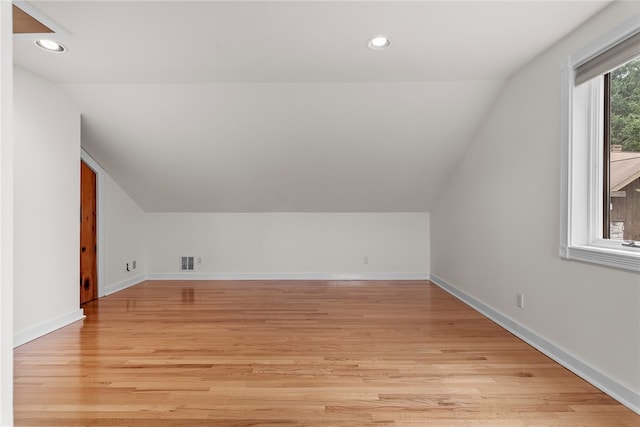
<point x="100" y="173"/>
<point x="6" y="214"/>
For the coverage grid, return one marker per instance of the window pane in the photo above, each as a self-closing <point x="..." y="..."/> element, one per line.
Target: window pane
<point x="624" y="153"/>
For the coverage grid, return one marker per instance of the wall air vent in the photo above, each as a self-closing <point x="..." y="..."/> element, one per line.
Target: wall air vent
<point x="186" y="263"/>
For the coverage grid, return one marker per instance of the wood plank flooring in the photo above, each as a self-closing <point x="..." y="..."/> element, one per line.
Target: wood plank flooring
<point x="298" y="353"/>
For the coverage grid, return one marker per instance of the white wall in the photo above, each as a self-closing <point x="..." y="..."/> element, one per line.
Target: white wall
<point x="290" y="244"/>
<point x="124" y="238"/>
<point x="46" y="207"/>
<point x="495" y="230"/>
<point x="6" y="215"/>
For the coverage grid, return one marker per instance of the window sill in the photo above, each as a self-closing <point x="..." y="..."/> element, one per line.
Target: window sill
<point x="626" y="259"/>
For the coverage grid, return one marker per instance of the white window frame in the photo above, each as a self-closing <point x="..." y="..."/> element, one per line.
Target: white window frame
<point x="581" y="162"/>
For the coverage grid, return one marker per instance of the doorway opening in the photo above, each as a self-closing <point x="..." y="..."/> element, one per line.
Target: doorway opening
<point x="88" y="235"/>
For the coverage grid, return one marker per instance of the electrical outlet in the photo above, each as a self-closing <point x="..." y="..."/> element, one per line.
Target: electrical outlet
<point x="365" y="260"/>
<point x="133" y="264"/>
<point x="520" y="301"/>
<point x="199" y="260"/>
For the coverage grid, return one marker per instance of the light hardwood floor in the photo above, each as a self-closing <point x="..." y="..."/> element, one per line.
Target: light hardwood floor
<point x="299" y="353"/>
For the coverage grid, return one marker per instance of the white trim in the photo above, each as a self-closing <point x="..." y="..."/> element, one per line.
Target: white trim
<point x="125" y="284"/>
<point x="287" y="276"/>
<point x="608" y="385"/>
<point x="47" y="327"/>
<point x="566" y="131"/>
<point x="100" y="174"/>
<point x="581" y="158"/>
<point x="605" y="256"/>
<point x="110" y="289"/>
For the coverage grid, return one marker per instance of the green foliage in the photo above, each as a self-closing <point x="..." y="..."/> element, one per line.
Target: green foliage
<point x="625" y="106"/>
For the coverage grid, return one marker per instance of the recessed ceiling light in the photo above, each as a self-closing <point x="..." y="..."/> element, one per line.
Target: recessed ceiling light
<point x="379" y="43"/>
<point x="50" y="45"/>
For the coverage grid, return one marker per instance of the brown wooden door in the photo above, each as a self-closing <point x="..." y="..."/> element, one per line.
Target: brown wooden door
<point x="88" y="241"/>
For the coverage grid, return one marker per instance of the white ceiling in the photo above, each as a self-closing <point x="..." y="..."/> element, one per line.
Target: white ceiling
<point x="279" y="106"/>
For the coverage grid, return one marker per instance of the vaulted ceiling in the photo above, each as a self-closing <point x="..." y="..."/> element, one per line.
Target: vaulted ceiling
<point x="212" y="106"/>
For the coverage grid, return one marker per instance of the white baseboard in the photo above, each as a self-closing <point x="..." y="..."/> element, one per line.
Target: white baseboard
<point x="619" y="392"/>
<point x="44" y="328"/>
<point x="110" y="289"/>
<point x="287" y="276"/>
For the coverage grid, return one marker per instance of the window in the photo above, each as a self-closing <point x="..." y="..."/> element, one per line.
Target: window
<point x="601" y="151"/>
<point x="621" y="155"/>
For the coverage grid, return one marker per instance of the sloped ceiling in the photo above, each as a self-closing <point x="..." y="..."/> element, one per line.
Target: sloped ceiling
<point x="280" y="106"/>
